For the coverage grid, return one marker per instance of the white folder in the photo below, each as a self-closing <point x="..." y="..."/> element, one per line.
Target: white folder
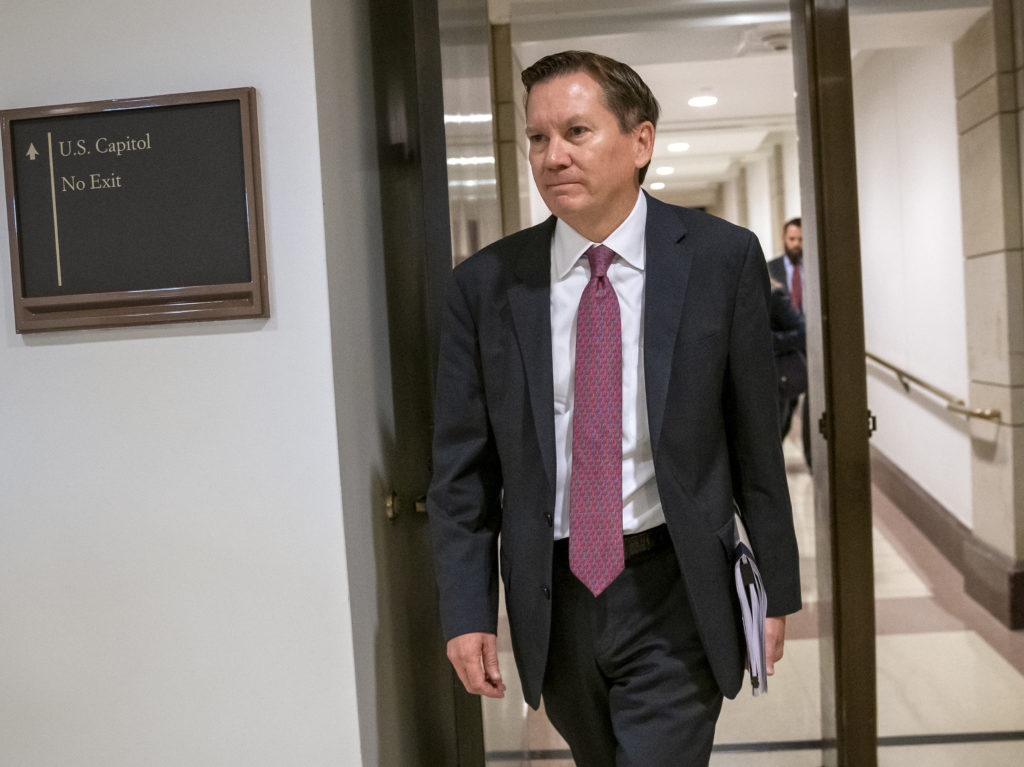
<point x="753" y="608"/>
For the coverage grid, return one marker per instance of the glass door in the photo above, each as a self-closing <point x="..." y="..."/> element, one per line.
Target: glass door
<point x="938" y="168"/>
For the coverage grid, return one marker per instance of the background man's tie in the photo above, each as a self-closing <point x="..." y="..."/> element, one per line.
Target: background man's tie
<point x="595" y="495"/>
<point x="796" y="293"/>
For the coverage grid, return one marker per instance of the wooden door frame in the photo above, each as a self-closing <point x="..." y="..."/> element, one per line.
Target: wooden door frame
<point x="430" y="719"/>
<point x="838" y="389"/>
<point x="838" y="381"/>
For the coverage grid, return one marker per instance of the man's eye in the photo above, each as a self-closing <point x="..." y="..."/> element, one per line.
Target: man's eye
<point x="577" y="130"/>
<point x="535" y="139"/>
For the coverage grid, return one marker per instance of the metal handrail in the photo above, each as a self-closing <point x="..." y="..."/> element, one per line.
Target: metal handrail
<point x="953" y="403"/>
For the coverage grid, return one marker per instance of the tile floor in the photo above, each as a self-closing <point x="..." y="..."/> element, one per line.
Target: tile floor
<point x="950" y="677"/>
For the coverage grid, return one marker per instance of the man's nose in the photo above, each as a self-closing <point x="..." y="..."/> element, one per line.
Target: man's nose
<point x="557" y="154"/>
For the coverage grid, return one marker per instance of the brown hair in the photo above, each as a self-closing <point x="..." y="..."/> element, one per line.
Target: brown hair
<point x="623" y="92"/>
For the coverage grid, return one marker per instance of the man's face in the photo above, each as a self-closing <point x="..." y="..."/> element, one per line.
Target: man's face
<point x="584" y="166"/>
<point x="793" y="242"/>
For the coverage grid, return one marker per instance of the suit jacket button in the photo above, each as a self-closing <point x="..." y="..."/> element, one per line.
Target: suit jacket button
<point x="547" y="591"/>
<point x="550" y="520"/>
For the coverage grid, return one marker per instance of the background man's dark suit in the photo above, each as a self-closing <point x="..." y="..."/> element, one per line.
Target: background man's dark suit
<point x="777" y="270"/>
<point x="711" y="397"/>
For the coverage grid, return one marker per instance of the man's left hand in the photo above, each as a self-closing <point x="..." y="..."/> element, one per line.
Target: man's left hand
<point x="774" y="638"/>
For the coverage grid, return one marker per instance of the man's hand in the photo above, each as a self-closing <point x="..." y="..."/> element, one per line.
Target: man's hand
<point x="475" y="657"/>
<point x="774" y="638"/>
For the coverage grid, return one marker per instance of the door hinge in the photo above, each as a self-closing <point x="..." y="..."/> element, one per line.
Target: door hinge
<point x="872" y="424"/>
<point x="823" y="426"/>
<point x="391" y="506"/>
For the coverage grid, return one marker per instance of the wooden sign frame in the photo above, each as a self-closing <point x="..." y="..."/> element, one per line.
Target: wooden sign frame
<point x="142" y="243"/>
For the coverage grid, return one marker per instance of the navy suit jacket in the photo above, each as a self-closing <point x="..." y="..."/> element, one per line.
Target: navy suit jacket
<point x="777" y="271"/>
<point x="712" y="413"/>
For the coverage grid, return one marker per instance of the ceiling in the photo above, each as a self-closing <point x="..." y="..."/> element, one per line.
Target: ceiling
<point x="739" y="50"/>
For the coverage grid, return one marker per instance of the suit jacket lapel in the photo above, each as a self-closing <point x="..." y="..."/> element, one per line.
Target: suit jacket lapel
<point x="530" y="300"/>
<point x="668" y="270"/>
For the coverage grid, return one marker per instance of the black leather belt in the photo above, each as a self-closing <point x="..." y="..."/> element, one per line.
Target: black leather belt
<point x="633" y="545"/>
<point x="646" y="540"/>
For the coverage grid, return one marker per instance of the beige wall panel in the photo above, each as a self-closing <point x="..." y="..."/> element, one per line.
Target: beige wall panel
<point x="975" y="54"/>
<point x="1008" y="400"/>
<point x="990" y="186"/>
<point x="1018" y="31"/>
<point x="978" y="105"/>
<point x="995" y="318"/>
<point x="995" y="464"/>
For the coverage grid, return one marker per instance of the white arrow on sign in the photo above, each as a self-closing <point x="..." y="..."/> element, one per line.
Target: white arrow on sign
<point x="32" y="152"/>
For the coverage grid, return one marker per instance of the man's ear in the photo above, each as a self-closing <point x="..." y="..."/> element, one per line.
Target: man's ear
<point x="643" y="144"/>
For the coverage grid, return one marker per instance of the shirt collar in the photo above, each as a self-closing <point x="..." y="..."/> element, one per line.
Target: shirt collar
<point x="568" y="245"/>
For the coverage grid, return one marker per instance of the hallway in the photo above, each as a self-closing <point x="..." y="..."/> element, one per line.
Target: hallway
<point x="950" y="677"/>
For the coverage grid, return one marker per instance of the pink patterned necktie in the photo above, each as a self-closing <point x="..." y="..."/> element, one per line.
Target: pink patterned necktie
<point x="796" y="292"/>
<point x="595" y="495"/>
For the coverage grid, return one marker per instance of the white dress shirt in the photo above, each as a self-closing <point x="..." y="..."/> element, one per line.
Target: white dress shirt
<point x="570" y="273"/>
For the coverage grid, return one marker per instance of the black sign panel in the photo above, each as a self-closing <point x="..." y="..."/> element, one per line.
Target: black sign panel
<point x="150" y="202"/>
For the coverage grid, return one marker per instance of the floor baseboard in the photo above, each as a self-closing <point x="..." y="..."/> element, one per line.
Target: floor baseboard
<point x="994" y="580"/>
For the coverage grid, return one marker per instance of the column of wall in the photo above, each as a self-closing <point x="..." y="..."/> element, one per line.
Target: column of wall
<point x="791" y="177"/>
<point x="505" y="134"/>
<point x="778" y="202"/>
<point x="763" y="193"/>
<point x="987" y="62"/>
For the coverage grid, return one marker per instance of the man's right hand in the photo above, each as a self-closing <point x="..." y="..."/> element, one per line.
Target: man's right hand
<point x="475" y="657"/>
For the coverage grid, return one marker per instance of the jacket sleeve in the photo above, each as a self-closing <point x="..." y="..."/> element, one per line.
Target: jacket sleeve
<point x="463" y="502"/>
<point x="788" y="329"/>
<point x="755" y="450"/>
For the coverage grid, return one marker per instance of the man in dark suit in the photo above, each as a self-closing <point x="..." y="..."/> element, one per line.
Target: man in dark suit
<point x="787" y="270"/>
<point x="605" y="400"/>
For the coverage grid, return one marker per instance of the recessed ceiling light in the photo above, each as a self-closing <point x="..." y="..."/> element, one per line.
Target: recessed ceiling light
<point x="665" y="170"/>
<point x="705" y="100"/>
<point x="678" y="146"/>
<point x="658" y="185"/>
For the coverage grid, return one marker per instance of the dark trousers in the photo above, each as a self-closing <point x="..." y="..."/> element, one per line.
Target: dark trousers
<point x="627" y="682"/>
<point x="786" y="409"/>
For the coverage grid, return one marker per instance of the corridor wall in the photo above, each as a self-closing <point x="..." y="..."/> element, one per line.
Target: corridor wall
<point x="173" y="582"/>
<point x="912" y="256"/>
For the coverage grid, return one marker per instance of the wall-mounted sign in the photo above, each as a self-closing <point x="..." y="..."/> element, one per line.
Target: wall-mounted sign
<point x="135" y="212"/>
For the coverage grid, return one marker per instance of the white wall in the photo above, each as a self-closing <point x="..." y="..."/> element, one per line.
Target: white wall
<point x="173" y="586"/>
<point x="911" y="249"/>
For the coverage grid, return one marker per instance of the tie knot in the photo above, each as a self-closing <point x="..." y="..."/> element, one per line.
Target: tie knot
<point x="600" y="258"/>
